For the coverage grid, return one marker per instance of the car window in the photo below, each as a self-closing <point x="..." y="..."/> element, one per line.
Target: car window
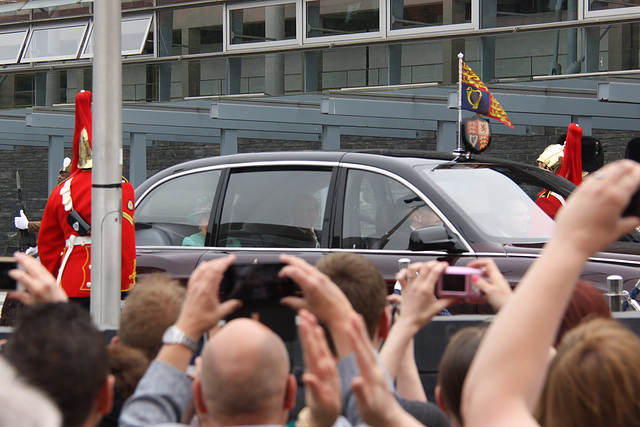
<point x="499" y="201"/>
<point x="176" y="212"/>
<point x="274" y="208"/>
<point x="380" y="212"/>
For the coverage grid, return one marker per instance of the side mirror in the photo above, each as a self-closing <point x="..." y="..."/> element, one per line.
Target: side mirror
<point x="434" y="238"/>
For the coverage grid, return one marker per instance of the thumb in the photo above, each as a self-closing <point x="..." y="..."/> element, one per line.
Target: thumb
<point x="22" y="214"/>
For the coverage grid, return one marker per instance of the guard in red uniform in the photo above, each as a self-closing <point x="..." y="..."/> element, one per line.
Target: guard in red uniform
<point x="64" y="240"/>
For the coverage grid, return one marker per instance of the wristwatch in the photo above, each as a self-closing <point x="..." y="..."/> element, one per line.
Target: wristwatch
<point x="174" y="335"/>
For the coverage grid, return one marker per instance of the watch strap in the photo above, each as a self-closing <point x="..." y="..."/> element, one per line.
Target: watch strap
<point x="175" y="335"/>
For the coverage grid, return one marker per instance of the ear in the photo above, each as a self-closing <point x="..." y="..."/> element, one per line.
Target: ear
<point x="290" y="396"/>
<point x="105" y="395"/>
<point x="383" y="326"/>
<point x="439" y="400"/>
<point x="115" y="339"/>
<point x="198" y="398"/>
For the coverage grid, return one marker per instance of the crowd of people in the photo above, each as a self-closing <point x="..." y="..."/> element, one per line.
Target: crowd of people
<point x="538" y="362"/>
<point x="552" y="356"/>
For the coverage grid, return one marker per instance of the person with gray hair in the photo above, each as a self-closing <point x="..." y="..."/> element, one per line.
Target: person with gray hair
<point x="22" y="404"/>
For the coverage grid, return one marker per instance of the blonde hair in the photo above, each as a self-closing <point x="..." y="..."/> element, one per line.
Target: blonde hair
<point x="594" y="379"/>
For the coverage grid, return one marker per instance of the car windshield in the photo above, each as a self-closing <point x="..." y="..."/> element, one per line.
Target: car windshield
<point x="499" y="201"/>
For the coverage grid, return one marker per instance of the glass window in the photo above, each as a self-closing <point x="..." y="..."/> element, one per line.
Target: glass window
<point x="425" y="13"/>
<point x="380" y="212"/>
<point x="11" y="45"/>
<point x="134" y="36"/>
<point x="513" y="13"/>
<point x="176" y="213"/>
<point x="190" y="30"/>
<point x="55" y="43"/>
<point x="609" y="4"/>
<point x="499" y="201"/>
<point x="275" y="208"/>
<point x="47" y="9"/>
<point x="338" y="17"/>
<point x="263" y="24"/>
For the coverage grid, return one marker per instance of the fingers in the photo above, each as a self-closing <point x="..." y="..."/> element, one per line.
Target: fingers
<point x="211" y="271"/>
<point x="295" y="303"/>
<point x="228" y="307"/>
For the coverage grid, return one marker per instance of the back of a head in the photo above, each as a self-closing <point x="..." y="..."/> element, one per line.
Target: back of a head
<point x="454" y="364"/>
<point x="127" y="365"/>
<point x="151" y="307"/>
<point x="632" y="150"/>
<point x="592" y="154"/>
<point x="57" y="348"/>
<point x="585" y="303"/>
<point x="244" y="373"/>
<point x="362" y="283"/>
<point x="24" y="405"/>
<point x="594" y="379"/>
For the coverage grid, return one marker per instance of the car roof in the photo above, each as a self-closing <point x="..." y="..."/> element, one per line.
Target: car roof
<point x="388" y="158"/>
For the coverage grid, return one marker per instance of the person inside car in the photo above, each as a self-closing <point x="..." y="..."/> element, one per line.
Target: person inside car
<point x="305" y="212"/>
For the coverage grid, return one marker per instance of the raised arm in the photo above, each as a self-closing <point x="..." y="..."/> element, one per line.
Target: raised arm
<point x="507" y="374"/>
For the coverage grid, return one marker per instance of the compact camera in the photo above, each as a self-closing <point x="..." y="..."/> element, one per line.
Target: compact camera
<point x="456" y="282"/>
<point x="260" y="290"/>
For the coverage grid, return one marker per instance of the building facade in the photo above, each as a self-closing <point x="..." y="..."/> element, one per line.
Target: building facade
<point x="209" y="77"/>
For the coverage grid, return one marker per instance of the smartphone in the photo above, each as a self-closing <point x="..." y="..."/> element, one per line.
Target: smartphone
<point x="6" y="282"/>
<point x="260" y="290"/>
<point x="456" y="282"/>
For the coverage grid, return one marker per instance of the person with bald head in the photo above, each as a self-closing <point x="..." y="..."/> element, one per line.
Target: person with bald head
<point x="244" y="377"/>
<point x="245" y="381"/>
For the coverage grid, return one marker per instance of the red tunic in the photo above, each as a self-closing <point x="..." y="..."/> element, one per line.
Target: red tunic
<point x="55" y="230"/>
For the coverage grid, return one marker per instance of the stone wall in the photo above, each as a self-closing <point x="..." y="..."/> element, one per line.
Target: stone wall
<point x="31" y="162"/>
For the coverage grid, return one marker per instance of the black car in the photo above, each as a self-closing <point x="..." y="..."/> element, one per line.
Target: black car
<point x="384" y="205"/>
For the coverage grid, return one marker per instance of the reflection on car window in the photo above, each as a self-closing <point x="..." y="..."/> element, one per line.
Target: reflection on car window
<point x="274" y="208"/>
<point x="500" y="202"/>
<point x="176" y="213"/>
<point x="380" y="212"/>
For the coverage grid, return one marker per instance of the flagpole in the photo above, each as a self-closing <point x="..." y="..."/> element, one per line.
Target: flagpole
<point x="459" y="149"/>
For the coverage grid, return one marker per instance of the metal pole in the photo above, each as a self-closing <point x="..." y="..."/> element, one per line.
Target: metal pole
<point x="459" y="147"/>
<point x="106" y="202"/>
<point x="615" y="293"/>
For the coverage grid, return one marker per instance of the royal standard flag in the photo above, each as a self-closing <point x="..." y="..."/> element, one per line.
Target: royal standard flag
<point x="477" y="98"/>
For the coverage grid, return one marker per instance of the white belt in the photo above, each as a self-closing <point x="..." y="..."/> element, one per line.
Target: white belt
<point x="72" y="241"/>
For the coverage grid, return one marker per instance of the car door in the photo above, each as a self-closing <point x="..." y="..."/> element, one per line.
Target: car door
<point x="268" y="210"/>
<point x="376" y="214"/>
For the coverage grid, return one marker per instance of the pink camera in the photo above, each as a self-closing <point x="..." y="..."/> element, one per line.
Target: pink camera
<point x="456" y="282"/>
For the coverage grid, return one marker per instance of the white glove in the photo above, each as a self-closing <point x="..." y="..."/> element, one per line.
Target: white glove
<point x="21" y="222"/>
<point x="32" y="251"/>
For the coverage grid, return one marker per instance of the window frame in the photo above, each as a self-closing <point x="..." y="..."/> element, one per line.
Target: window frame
<point x="138" y="51"/>
<point x="60" y="26"/>
<point x="20" y="48"/>
<point x="254" y="46"/>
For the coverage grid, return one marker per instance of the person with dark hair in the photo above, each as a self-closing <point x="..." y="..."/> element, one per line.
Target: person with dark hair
<point x="56" y="348"/>
<point x="592" y="155"/>
<point x="632" y="150"/>
<point x="352" y="276"/>
<point x="452" y="371"/>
